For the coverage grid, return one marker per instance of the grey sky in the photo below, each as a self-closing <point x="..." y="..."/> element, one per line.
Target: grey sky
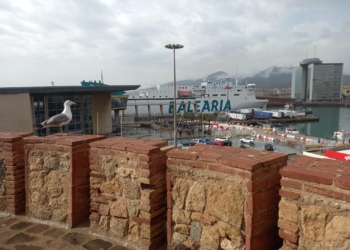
<point x="73" y="40"/>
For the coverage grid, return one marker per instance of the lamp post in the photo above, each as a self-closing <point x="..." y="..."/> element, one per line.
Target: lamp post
<point x="174" y="47"/>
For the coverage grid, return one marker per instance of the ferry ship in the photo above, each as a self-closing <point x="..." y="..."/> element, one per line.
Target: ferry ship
<point x="208" y="97"/>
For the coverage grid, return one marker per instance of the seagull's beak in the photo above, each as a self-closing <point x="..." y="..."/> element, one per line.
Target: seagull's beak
<point x="73" y="103"/>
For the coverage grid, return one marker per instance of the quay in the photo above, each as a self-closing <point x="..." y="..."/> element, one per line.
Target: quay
<point x="279" y="120"/>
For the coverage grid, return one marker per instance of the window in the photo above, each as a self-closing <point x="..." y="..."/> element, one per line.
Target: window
<point x="236" y="94"/>
<point x="223" y="94"/>
<point x="215" y="94"/>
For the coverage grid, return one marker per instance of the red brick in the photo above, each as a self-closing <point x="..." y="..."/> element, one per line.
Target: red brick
<point x="182" y="154"/>
<point x="102" y="144"/>
<point x="9" y="138"/>
<point x="290" y="237"/>
<point x="11" y="168"/>
<point x="261" y="222"/>
<point x="291" y="245"/>
<point x="141" y="220"/>
<point x="174" y="162"/>
<point x="304" y="162"/>
<point x="287" y="225"/>
<point x="169" y="237"/>
<point x="155" y="242"/>
<point x="143" y="149"/>
<point x="331" y="166"/>
<point x="97" y="175"/>
<point x="307" y="175"/>
<point x="153" y="164"/>
<point x="169" y="200"/>
<point x="274" y="159"/>
<point x="291" y="184"/>
<point x="169" y="217"/>
<point x="168" y="181"/>
<point x="343" y="182"/>
<point x="223" y="169"/>
<point x="265" y="240"/>
<point x="236" y="162"/>
<point x="325" y="192"/>
<point x="257" y="202"/>
<point x="288" y="194"/>
<point x="210" y="157"/>
<point x="245" y="175"/>
<point x="195" y="164"/>
<point x="268" y="182"/>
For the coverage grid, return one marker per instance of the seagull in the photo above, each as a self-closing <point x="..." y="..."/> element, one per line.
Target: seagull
<point x="59" y="120"/>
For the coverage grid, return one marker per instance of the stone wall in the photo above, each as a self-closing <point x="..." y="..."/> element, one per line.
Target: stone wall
<point x="57" y="178"/>
<point x="314" y="209"/>
<point x="128" y="190"/>
<point x="12" y="193"/>
<point x="223" y="198"/>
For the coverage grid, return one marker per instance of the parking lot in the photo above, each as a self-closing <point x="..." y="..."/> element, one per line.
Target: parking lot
<point x="258" y="145"/>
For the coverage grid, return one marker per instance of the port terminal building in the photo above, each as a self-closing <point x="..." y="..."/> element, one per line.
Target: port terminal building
<point x="315" y="81"/>
<point x="24" y="107"/>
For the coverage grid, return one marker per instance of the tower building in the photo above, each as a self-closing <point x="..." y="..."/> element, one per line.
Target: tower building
<point x="314" y="81"/>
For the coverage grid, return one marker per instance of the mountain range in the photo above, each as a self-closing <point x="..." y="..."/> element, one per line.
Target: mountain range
<point x="271" y="78"/>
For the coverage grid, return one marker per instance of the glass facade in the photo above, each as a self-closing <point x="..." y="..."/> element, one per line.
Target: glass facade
<point x="119" y="102"/>
<point x="296" y="84"/>
<point x="327" y="82"/>
<point x="317" y="82"/>
<point x="45" y="107"/>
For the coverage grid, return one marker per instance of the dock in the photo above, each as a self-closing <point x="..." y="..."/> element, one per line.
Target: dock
<point x="277" y="120"/>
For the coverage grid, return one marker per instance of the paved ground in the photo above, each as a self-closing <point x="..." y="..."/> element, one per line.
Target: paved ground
<point x="18" y="232"/>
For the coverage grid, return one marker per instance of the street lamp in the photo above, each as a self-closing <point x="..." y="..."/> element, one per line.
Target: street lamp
<point x="174" y="47"/>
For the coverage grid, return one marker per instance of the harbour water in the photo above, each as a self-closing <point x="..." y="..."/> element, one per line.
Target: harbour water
<point x="331" y="119"/>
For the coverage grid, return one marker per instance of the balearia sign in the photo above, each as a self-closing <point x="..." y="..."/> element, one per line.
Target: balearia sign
<point x="205" y="106"/>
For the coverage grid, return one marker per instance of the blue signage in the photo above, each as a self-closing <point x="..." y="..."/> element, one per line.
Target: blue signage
<point x="215" y="105"/>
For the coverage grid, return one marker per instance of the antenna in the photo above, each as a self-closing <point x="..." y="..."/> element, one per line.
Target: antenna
<point x="101" y="76"/>
<point x="52" y="83"/>
<point x="315" y="52"/>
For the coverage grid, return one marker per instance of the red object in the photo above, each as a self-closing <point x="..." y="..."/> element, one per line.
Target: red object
<point x="219" y="143"/>
<point x="337" y="155"/>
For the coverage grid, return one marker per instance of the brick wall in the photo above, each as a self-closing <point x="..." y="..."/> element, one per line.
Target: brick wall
<point x="223" y="198"/>
<point x="57" y="178"/>
<point x="314" y="209"/>
<point x="128" y="192"/>
<point x="12" y="193"/>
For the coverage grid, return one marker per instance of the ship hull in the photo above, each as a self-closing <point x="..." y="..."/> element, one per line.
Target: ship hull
<point x="189" y="105"/>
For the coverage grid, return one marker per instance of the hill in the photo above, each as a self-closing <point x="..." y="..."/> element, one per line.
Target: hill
<point x="271" y="78"/>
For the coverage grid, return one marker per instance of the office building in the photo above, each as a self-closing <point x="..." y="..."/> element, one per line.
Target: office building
<point x="24" y="107"/>
<point x="314" y="81"/>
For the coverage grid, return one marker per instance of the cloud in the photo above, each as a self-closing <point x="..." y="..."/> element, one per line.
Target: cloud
<point x="68" y="41"/>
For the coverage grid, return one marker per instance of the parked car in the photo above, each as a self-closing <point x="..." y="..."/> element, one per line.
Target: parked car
<point x="242" y="146"/>
<point x="188" y="143"/>
<point x="292" y="131"/>
<point x="249" y="140"/>
<point x="201" y="141"/>
<point x="223" y="143"/>
<point x="268" y="147"/>
<point x="222" y="138"/>
<point x="227" y="143"/>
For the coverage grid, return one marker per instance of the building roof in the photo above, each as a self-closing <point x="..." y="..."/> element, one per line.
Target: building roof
<point x="71" y="90"/>
<point x="311" y="61"/>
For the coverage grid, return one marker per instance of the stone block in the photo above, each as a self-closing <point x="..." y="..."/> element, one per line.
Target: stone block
<point x="118" y="209"/>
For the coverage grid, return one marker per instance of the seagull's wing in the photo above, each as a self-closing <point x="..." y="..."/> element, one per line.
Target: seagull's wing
<point x="56" y="120"/>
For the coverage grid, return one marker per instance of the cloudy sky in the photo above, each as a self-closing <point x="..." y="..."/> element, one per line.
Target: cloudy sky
<point x="69" y="41"/>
